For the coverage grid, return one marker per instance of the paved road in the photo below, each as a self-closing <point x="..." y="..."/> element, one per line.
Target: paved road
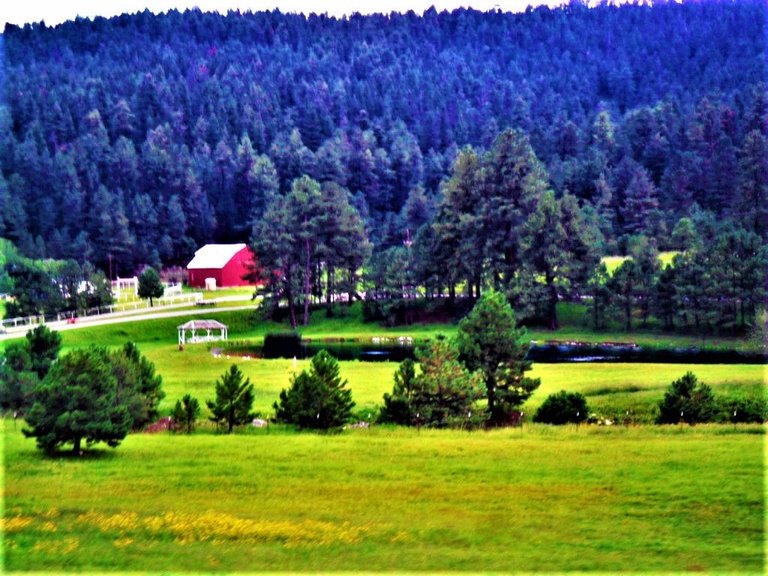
<point x="119" y="318"/>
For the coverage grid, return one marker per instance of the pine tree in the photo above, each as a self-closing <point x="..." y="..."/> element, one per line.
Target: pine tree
<point x="185" y="413"/>
<point x="490" y="342"/>
<point x="77" y="401"/>
<point x="640" y="200"/>
<point x="234" y="400"/>
<point x="687" y="400"/>
<point x="318" y="398"/>
<point x="752" y="200"/>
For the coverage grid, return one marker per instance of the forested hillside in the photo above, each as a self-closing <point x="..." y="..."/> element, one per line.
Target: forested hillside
<point x="141" y="137"/>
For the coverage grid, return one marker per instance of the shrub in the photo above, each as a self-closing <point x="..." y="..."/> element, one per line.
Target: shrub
<point x="562" y="408"/>
<point x="744" y="410"/>
<point x="687" y="400"/>
<point x="397" y="406"/>
<point x="282" y="345"/>
<point x="185" y="414"/>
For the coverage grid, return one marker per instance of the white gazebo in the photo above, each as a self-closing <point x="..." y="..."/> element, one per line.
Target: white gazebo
<point x="201" y="331"/>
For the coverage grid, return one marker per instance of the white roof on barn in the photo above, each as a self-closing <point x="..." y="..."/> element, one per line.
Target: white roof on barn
<point x="214" y="256"/>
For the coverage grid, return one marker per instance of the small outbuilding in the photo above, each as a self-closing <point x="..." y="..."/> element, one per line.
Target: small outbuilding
<point x="221" y="266"/>
<point x="201" y="331"/>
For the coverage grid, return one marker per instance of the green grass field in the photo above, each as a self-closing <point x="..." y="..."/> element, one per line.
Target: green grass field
<point x="533" y="500"/>
<point x="536" y="499"/>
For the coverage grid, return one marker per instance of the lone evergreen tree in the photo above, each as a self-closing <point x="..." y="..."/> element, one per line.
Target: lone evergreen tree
<point x="687" y="400"/>
<point x="78" y="401"/>
<point x="317" y="399"/>
<point x="489" y="342"/>
<point x="234" y="399"/>
<point x="150" y="285"/>
<point x="185" y="413"/>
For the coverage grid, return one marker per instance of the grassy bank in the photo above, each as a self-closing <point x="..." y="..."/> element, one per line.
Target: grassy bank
<point x="537" y="499"/>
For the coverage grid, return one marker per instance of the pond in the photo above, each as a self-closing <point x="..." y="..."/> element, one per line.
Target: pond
<point x="398" y="349"/>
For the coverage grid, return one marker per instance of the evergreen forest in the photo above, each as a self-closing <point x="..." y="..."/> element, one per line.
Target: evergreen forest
<point x="442" y="153"/>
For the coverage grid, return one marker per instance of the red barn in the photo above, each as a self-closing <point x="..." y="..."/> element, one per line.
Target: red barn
<point x="225" y="263"/>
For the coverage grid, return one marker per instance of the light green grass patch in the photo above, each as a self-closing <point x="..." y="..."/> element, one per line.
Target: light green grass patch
<point x="613" y="389"/>
<point x="613" y="262"/>
<point x="538" y="499"/>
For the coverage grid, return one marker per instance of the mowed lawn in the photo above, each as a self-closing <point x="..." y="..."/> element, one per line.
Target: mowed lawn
<point x="540" y="499"/>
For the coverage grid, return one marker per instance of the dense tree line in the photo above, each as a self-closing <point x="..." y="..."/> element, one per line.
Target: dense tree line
<point x="49" y="287"/>
<point x="715" y="285"/>
<point x="138" y="138"/>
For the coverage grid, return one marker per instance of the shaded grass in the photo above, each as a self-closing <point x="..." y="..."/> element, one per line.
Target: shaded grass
<point x="539" y="499"/>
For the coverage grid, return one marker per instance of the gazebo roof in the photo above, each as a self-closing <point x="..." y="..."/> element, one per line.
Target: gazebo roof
<point x="203" y="325"/>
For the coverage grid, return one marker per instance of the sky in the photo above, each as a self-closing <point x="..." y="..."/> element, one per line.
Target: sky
<point x="54" y="12"/>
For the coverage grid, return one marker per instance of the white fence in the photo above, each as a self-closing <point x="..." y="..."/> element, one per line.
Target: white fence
<point x="175" y="300"/>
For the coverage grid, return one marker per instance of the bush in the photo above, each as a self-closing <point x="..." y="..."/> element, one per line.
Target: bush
<point x="744" y="410"/>
<point x="185" y="414"/>
<point x="562" y="408"/>
<point x="397" y="406"/>
<point x="282" y="345"/>
<point x="687" y="400"/>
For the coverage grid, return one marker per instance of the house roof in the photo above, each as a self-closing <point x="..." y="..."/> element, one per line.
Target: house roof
<point x="202" y="325"/>
<point x="214" y="256"/>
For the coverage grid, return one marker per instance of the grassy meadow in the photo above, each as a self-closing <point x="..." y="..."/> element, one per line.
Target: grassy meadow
<point x="539" y="499"/>
<point x="532" y="499"/>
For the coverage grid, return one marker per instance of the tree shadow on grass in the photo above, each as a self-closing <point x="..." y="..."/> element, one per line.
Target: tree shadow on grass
<point x="94" y="454"/>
